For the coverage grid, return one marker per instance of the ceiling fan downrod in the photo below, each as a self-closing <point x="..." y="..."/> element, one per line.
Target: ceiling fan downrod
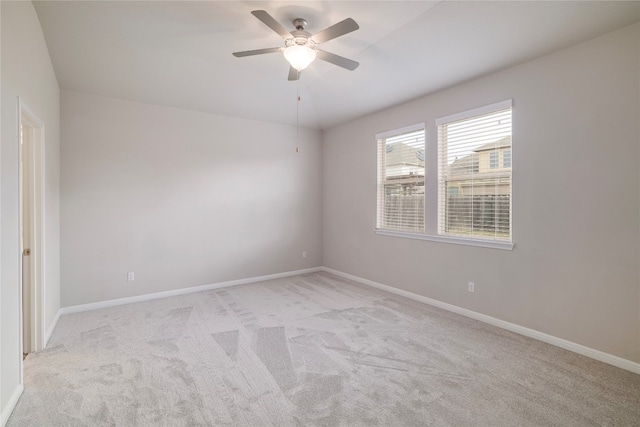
<point x="300" y="24"/>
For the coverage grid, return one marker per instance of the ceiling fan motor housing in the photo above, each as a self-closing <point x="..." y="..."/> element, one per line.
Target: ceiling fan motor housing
<point x="300" y="24"/>
<point x="300" y="38"/>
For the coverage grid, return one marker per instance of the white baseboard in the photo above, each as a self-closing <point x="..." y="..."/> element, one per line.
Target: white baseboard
<point x="47" y="335"/>
<point x="531" y="333"/>
<point x="11" y="404"/>
<point x="165" y="294"/>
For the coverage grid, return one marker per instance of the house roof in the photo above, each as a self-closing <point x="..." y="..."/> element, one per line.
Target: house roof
<point x="400" y="154"/>
<point x="465" y="164"/>
<point x="501" y="143"/>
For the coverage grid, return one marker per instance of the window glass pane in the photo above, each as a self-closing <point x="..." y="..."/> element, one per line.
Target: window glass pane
<point x="474" y="189"/>
<point x="401" y="181"/>
<point x="404" y="207"/>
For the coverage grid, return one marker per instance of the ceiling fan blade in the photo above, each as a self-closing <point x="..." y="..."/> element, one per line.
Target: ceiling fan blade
<point x="257" y="51"/>
<point x="338" y="60"/>
<point x="271" y="23"/>
<point x="337" y="30"/>
<point x="294" y="74"/>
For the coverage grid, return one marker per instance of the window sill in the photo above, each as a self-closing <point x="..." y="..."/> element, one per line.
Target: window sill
<point x="506" y="246"/>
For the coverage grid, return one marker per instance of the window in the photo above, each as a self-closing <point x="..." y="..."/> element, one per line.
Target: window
<point x="469" y="149"/>
<point x="401" y="179"/>
<point x="506" y="159"/>
<point x="494" y="160"/>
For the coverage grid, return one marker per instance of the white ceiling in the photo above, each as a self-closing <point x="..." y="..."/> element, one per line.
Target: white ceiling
<point x="178" y="54"/>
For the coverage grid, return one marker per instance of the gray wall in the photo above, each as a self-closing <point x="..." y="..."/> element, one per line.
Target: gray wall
<point x="26" y="72"/>
<point x="181" y="198"/>
<point x="574" y="270"/>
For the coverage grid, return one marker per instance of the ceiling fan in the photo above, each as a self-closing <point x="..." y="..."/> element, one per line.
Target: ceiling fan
<point x="301" y="47"/>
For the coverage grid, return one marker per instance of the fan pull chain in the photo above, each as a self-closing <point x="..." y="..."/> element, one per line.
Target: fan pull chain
<point x="298" y="113"/>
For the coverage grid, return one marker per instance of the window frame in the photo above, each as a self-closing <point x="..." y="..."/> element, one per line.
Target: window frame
<point x="380" y="184"/>
<point x="432" y="175"/>
<point x="469" y="115"/>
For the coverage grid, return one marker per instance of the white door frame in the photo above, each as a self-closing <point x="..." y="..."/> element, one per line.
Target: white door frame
<point x="27" y="118"/>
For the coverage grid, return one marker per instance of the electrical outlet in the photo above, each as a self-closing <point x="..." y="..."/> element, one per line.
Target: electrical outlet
<point x="131" y="276"/>
<point x="472" y="287"/>
<point x="304" y="254"/>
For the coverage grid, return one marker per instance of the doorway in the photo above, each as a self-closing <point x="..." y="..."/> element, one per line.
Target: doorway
<point x="31" y="140"/>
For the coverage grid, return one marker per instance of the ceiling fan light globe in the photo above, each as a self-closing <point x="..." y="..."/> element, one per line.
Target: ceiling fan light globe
<point x="299" y="56"/>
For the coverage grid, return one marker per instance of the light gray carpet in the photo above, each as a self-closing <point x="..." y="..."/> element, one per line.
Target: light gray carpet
<point x="310" y="350"/>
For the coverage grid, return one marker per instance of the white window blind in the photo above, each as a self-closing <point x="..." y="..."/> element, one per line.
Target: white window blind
<point x="400" y="203"/>
<point x="474" y="173"/>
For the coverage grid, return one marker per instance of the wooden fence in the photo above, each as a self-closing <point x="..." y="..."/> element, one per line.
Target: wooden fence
<point x="488" y="215"/>
<point x="482" y="214"/>
<point x="404" y="212"/>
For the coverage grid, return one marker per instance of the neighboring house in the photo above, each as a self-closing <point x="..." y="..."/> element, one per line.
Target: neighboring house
<point x="404" y="169"/>
<point x="485" y="172"/>
<point x="403" y="185"/>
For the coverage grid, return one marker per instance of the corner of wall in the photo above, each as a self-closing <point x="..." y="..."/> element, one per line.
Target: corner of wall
<point x="10" y="406"/>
